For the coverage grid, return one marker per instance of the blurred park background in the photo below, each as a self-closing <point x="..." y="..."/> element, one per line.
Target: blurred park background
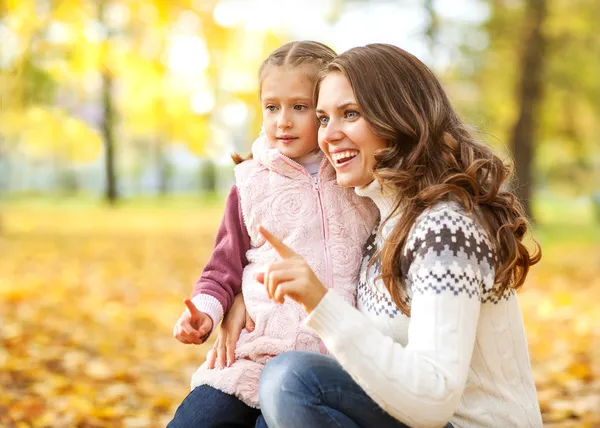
<point x="116" y="123"/>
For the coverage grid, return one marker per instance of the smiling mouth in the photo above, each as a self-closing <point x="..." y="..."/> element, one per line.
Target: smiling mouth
<point x="342" y="158"/>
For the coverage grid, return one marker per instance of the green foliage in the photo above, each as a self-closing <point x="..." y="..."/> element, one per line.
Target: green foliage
<point x="568" y="132"/>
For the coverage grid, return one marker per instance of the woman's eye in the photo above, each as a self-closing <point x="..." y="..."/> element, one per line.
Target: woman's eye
<point x="323" y="120"/>
<point x="351" y="114"/>
<point x="300" y="107"/>
<point x="271" y="107"/>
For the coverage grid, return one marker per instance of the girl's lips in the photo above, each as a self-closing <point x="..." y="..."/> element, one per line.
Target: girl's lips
<point x="287" y="140"/>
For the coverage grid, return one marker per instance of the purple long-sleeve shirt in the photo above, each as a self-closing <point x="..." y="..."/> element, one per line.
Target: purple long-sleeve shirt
<point x="221" y="278"/>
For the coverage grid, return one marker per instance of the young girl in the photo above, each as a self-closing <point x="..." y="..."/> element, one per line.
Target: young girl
<point x="289" y="187"/>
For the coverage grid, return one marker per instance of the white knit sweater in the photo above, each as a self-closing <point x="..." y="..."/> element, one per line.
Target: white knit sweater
<point x="462" y="355"/>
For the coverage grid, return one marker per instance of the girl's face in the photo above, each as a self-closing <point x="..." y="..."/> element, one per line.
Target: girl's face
<point x="289" y="110"/>
<point x="345" y="136"/>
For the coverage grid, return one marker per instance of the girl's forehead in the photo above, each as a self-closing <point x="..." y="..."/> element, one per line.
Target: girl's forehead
<point x="287" y="82"/>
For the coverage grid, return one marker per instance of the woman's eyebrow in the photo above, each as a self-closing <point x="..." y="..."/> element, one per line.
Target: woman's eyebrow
<point x="340" y="106"/>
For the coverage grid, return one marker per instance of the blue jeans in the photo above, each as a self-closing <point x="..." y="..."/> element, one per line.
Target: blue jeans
<point x="304" y="389"/>
<point x="207" y="407"/>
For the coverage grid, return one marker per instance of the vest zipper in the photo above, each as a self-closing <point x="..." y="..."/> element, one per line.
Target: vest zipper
<point x="328" y="273"/>
<point x="317" y="187"/>
<point x="316" y="184"/>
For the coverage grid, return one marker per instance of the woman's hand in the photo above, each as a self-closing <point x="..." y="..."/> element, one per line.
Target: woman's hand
<point x="236" y="319"/>
<point x="192" y="326"/>
<point x="292" y="276"/>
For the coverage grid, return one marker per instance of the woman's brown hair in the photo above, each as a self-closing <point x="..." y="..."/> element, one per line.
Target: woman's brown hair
<point x="294" y="54"/>
<point x="431" y="156"/>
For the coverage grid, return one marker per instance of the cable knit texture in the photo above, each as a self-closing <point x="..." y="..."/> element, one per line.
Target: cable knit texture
<point x="325" y="224"/>
<point x="462" y="355"/>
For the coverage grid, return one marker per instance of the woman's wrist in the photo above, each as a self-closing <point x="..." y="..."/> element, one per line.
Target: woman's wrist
<point x="314" y="299"/>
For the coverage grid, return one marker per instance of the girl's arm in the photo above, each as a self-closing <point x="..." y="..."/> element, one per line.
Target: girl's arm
<point x="221" y="278"/>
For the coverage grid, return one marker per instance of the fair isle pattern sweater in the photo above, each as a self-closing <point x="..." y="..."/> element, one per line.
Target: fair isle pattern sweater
<point x="462" y="355"/>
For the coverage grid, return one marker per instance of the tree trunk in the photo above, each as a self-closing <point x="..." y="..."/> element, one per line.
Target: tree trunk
<point x="529" y="99"/>
<point x="208" y="176"/>
<point x="111" y="194"/>
<point x="109" y="139"/>
<point x="163" y="168"/>
<point x="433" y="27"/>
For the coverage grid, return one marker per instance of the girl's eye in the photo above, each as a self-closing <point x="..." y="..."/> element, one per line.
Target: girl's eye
<point x="323" y="120"/>
<point x="271" y="107"/>
<point x="351" y="114"/>
<point x="300" y="107"/>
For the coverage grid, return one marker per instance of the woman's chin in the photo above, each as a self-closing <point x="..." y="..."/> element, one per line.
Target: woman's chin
<point x="347" y="180"/>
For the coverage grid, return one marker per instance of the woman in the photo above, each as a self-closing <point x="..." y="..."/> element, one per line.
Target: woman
<point x="438" y="334"/>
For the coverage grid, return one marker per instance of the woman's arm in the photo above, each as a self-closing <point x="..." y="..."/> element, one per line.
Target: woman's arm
<point x="422" y="383"/>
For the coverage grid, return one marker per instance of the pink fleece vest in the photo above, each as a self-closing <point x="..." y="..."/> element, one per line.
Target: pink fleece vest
<point x="325" y="224"/>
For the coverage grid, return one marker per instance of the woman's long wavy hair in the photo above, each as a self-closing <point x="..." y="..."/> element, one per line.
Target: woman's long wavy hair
<point x="431" y="156"/>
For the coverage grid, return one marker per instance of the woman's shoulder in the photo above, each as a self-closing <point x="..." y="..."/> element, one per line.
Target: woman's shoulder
<point x="448" y="244"/>
<point x="446" y="228"/>
<point x="449" y="216"/>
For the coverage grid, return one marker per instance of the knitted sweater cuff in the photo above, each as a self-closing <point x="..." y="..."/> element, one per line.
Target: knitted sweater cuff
<point x="210" y="306"/>
<point x="327" y="319"/>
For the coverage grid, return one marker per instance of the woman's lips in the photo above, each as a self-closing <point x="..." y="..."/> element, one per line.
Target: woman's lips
<point x="344" y="164"/>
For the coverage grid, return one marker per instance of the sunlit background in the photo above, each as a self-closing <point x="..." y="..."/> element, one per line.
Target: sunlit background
<point x="117" y="121"/>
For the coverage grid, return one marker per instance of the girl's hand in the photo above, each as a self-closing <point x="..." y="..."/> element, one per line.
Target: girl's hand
<point x="192" y="326"/>
<point x="236" y="319"/>
<point x="292" y="276"/>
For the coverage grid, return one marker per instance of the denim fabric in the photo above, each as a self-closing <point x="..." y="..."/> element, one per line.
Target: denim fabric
<point x="303" y="389"/>
<point x="207" y="407"/>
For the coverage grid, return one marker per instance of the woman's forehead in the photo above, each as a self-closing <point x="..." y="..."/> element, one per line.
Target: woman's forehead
<point x="335" y="92"/>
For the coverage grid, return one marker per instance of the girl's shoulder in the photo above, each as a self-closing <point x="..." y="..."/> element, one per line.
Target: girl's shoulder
<point x="244" y="170"/>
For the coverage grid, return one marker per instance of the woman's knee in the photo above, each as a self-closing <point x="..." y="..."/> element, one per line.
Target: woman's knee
<point x="292" y="374"/>
<point x="277" y="372"/>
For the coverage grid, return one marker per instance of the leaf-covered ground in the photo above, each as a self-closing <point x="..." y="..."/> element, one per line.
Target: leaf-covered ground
<point x="88" y="298"/>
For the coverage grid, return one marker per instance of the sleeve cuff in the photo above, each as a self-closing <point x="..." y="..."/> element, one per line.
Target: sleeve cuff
<point x="210" y="306"/>
<point x="327" y="318"/>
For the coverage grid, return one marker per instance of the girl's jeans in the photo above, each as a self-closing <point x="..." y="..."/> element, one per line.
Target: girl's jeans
<point x="207" y="407"/>
<point x="304" y="389"/>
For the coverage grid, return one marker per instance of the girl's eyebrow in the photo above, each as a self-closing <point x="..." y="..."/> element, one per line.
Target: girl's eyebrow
<point x="292" y="98"/>
<point x="340" y="106"/>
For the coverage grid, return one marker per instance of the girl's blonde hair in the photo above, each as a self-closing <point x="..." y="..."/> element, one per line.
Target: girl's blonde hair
<point x="294" y="54"/>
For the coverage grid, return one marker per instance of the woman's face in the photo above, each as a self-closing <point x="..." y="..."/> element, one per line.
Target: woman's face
<point x="345" y="136"/>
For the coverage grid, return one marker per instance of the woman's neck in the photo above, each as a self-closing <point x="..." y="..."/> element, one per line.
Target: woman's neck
<point x="382" y="197"/>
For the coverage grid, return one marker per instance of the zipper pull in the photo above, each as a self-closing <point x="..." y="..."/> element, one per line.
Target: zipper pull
<point x="316" y="183"/>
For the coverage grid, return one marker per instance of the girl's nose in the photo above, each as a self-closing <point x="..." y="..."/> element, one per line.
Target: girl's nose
<point x="284" y="121"/>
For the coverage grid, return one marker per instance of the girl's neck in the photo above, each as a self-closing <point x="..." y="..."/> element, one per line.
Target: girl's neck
<point x="311" y="161"/>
